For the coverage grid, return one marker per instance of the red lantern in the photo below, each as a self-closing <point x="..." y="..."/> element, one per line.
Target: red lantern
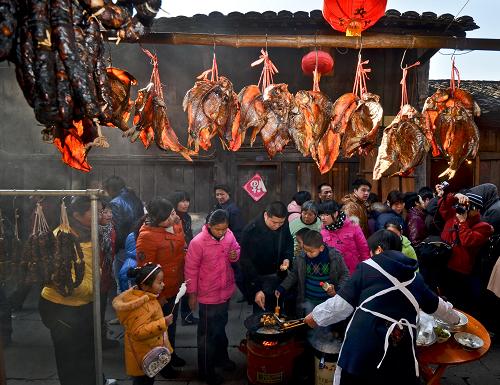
<point x="353" y="16"/>
<point x="325" y="62"/>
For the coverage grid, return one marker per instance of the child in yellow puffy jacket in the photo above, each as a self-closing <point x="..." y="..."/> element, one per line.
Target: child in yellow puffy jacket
<point x="141" y="315"/>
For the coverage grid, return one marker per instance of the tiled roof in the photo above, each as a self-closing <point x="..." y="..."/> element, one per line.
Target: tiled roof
<point x="485" y="92"/>
<point x="427" y="23"/>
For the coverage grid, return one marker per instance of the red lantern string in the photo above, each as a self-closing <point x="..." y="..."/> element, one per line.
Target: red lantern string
<point x="454" y="71"/>
<point x="268" y="70"/>
<point x="404" y="91"/>
<point x="360" y="78"/>
<point x="213" y="72"/>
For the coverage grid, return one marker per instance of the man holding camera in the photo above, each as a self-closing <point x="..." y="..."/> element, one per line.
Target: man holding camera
<point x="465" y="233"/>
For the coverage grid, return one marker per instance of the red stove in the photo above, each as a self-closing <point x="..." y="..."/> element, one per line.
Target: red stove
<point x="271" y="351"/>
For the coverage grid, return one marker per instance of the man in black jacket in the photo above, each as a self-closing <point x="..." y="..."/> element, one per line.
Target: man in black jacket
<point x="266" y="245"/>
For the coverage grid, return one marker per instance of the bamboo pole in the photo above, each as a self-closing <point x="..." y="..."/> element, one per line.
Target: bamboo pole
<point x="301" y="41"/>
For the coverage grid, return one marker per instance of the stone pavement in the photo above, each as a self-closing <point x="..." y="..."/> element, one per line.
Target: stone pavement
<point x="30" y="358"/>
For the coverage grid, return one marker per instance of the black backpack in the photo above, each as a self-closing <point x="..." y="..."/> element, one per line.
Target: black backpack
<point x="433" y="256"/>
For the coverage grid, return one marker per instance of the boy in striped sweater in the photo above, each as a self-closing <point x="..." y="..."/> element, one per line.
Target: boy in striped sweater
<point x="316" y="264"/>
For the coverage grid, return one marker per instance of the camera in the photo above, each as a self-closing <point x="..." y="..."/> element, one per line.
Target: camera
<point x="460" y="209"/>
<point x="444" y="184"/>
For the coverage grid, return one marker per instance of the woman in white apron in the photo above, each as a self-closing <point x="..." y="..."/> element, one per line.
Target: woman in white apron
<point x="385" y="293"/>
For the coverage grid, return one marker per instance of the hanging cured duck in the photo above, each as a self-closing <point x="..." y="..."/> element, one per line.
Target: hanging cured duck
<point x="449" y="123"/>
<point x="353" y="16"/>
<point x="404" y="143"/>
<point x="212" y="108"/>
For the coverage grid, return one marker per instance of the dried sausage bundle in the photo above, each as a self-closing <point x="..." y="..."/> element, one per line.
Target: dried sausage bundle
<point x="69" y="266"/>
<point x="39" y="250"/>
<point x="58" y="50"/>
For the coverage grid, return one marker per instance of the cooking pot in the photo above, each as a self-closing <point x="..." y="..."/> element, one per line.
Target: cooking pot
<point x="279" y="331"/>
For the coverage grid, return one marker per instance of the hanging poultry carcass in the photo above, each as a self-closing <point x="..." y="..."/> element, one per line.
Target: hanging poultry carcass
<point x="120" y="83"/>
<point x="404" y="144"/>
<point x="457" y="136"/>
<point x="277" y="103"/>
<point x="360" y="135"/>
<point x="309" y="119"/>
<point x="212" y="108"/>
<point x="252" y="111"/>
<point x="449" y="120"/>
<point x="151" y="119"/>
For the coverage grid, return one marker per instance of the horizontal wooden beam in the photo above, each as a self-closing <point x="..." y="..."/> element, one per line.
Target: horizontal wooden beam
<point x="301" y="41"/>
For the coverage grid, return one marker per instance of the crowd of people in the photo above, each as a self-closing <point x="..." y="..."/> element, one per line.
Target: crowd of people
<point x="375" y="263"/>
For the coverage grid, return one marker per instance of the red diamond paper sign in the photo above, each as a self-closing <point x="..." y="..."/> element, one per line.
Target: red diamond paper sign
<point x="255" y="187"/>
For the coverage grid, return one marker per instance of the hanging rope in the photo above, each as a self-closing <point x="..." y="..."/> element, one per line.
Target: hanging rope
<point x="269" y="69"/>
<point x="361" y="76"/>
<point x="316" y="73"/>
<point x="454" y="72"/>
<point x="40" y="223"/>
<point x="155" y="74"/>
<point x="404" y="90"/>
<point x="213" y="72"/>
<point x="64" y="224"/>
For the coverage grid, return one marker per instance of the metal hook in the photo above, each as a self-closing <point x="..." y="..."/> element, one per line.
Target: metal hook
<point x="360" y="47"/>
<point x="266" y="41"/>
<point x="213" y="36"/>
<point x="403" y="58"/>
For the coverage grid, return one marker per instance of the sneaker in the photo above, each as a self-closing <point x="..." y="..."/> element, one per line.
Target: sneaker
<point x="114" y="321"/>
<point x="111" y="381"/>
<point x="227" y="365"/>
<point x="109" y="344"/>
<point x="169" y="372"/>
<point x="190" y="319"/>
<point x="177" y="361"/>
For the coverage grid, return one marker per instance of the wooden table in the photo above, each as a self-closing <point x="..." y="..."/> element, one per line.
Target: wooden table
<point x="451" y="352"/>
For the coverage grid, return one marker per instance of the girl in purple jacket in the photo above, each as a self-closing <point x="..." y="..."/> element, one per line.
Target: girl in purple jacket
<point x="210" y="283"/>
<point x="343" y="234"/>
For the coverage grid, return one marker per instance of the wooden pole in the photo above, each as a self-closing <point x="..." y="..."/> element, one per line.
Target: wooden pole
<point x="301" y="41"/>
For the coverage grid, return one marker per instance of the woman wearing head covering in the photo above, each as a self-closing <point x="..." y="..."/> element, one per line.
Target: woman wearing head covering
<point x="344" y="235"/>
<point x="384" y="296"/>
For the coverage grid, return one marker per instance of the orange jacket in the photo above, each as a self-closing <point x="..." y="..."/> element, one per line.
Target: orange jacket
<point x="157" y="245"/>
<point x="145" y="328"/>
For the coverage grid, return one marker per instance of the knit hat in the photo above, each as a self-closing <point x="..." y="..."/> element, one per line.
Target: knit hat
<point x="475" y="200"/>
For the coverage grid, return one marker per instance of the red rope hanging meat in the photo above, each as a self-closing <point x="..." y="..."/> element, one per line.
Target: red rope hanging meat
<point x="359" y="87"/>
<point x="268" y="70"/>
<point x="404" y="92"/>
<point x="454" y="72"/>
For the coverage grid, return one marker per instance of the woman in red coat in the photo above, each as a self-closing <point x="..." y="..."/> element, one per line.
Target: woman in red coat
<point x="161" y="241"/>
<point x="465" y="233"/>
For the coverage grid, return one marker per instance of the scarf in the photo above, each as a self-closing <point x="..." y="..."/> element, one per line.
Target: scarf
<point x="106" y="244"/>
<point x="338" y="223"/>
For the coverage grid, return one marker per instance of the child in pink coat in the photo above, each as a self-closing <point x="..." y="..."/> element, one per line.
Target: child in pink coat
<point x="344" y="235"/>
<point x="210" y="283"/>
